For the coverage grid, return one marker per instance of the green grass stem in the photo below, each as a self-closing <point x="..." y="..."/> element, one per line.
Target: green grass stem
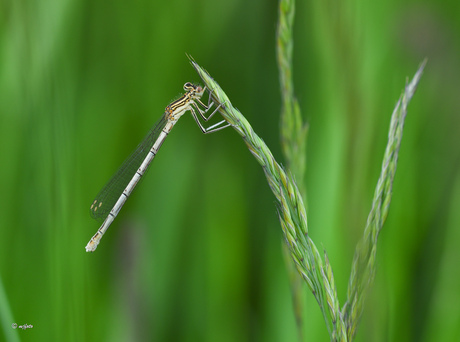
<point x="293" y="136"/>
<point x="318" y="275"/>
<point x="363" y="267"/>
<point x="292" y="212"/>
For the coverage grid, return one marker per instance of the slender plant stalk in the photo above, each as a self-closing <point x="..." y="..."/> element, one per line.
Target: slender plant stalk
<point x="291" y="211"/>
<point x="293" y="130"/>
<point x="318" y="275"/>
<point x="6" y="317"/>
<point x="293" y="138"/>
<point x="363" y="267"/>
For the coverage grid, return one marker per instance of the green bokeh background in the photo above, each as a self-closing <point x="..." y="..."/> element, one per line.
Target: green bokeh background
<point x="195" y="255"/>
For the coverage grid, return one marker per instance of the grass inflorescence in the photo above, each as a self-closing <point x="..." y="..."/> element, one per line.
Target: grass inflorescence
<point x="293" y="136"/>
<point x="316" y="273"/>
<point x="292" y="214"/>
<point x="363" y="267"/>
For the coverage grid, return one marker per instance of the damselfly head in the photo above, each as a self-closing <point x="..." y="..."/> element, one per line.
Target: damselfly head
<point x="194" y="90"/>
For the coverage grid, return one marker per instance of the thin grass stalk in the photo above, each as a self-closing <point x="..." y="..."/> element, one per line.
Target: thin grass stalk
<point x="363" y="267"/>
<point x="293" y="138"/>
<point x="6" y="317"/>
<point x="317" y="275"/>
<point x="293" y="129"/>
<point x="292" y="212"/>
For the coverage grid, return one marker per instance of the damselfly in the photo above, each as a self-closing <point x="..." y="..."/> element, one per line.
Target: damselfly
<point x="113" y="196"/>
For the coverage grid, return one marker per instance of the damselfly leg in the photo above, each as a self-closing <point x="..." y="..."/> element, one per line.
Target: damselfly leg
<point x="211" y="129"/>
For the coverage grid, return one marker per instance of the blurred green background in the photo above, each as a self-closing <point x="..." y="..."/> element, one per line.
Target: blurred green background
<point x="195" y="255"/>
